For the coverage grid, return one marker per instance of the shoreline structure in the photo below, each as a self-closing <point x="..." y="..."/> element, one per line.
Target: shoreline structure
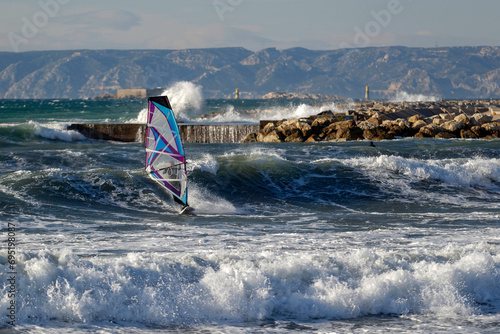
<point x="370" y="120"/>
<point x="467" y="119"/>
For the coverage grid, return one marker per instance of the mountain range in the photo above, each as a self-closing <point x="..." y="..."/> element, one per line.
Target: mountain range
<point x="451" y="73"/>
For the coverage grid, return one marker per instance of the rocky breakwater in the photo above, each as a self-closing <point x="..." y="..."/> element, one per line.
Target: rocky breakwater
<point x="334" y="127"/>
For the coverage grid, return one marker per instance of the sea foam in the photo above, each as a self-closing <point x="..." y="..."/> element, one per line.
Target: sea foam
<point x="56" y="131"/>
<point x="242" y="285"/>
<point x="461" y="172"/>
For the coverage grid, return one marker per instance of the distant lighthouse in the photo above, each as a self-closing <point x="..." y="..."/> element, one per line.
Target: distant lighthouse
<point x="237" y="94"/>
<point x="367" y="94"/>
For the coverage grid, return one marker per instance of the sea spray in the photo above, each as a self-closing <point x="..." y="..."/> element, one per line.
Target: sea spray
<point x="407" y="97"/>
<point x="186" y="99"/>
<point x="232" y="113"/>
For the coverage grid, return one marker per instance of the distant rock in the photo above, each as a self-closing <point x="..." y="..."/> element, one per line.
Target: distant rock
<point x="301" y="96"/>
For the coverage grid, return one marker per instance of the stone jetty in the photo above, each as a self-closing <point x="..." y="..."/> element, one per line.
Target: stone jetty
<point x="388" y="120"/>
<point x="190" y="133"/>
<point x="360" y="121"/>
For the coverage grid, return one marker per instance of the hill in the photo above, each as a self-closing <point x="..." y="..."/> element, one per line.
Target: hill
<point x="452" y="73"/>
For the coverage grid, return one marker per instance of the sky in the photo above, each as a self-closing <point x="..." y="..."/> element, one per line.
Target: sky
<point x="27" y="25"/>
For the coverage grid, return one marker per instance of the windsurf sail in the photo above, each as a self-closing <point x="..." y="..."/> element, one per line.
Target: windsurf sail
<point x="165" y="158"/>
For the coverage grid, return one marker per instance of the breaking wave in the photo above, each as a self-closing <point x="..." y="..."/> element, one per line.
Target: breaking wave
<point x="31" y="129"/>
<point x="186" y="99"/>
<point x="155" y="289"/>
<point x="477" y="172"/>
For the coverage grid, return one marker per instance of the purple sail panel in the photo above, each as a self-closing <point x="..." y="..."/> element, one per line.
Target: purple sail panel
<point x="165" y="159"/>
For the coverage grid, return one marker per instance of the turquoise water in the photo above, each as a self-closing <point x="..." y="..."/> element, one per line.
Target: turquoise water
<point x="124" y="111"/>
<point x="74" y="111"/>
<point x="314" y="238"/>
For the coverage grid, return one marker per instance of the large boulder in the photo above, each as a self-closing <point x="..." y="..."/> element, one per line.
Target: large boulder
<point x="378" y="133"/>
<point x="305" y="128"/>
<point x="462" y="118"/>
<point x="438" y="121"/>
<point x="261" y="136"/>
<point x="453" y="126"/>
<point x="313" y="139"/>
<point x="354" y="133"/>
<point x="402" y="122"/>
<point x="291" y="126"/>
<point x="418" y="124"/>
<point x="445" y="135"/>
<point x="366" y="125"/>
<point x="376" y="118"/>
<point x="480" y="119"/>
<point x="295" y="137"/>
<point x="479" y="131"/>
<point x="468" y="134"/>
<point x="430" y="130"/>
<point x="415" y="118"/>
<point x="492" y="127"/>
<point x="328" y="131"/>
<point x="250" y="138"/>
<point x="270" y="127"/>
<point x="287" y="127"/>
<point x="419" y="135"/>
<point x="345" y="124"/>
<point x="348" y="130"/>
<point x="396" y="130"/>
<point x="447" y="117"/>
<point x="322" y="122"/>
<point x="273" y="137"/>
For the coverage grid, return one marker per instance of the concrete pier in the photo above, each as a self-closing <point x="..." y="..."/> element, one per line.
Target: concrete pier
<point x="216" y="133"/>
<point x="191" y="133"/>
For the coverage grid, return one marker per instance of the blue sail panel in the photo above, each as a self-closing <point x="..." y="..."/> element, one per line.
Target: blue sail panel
<point x="165" y="158"/>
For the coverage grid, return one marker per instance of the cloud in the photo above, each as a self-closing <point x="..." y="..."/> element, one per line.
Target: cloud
<point x="114" y="19"/>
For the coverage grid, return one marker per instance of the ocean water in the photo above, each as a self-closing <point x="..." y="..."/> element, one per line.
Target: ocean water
<point x="309" y="238"/>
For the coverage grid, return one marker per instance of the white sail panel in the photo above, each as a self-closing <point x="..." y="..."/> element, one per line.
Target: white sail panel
<point x="165" y="159"/>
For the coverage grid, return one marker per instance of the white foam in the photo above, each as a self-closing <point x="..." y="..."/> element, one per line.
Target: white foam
<point x="207" y="163"/>
<point x="462" y="172"/>
<point x="186" y="99"/>
<point x="247" y="283"/>
<point x="407" y="97"/>
<point x="205" y="202"/>
<point x="56" y="131"/>
<point x="187" y="102"/>
<point x="259" y="152"/>
<point x="230" y="115"/>
<point x="142" y="118"/>
<point x="282" y="112"/>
